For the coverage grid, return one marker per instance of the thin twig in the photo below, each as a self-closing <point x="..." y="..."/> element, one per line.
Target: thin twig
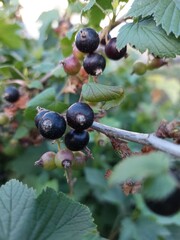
<point x="142" y="138"/>
<point x="45" y="78"/>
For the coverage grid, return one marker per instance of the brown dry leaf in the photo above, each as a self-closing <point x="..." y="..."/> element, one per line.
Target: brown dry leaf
<point x="22" y="102"/>
<point x="131" y="187"/>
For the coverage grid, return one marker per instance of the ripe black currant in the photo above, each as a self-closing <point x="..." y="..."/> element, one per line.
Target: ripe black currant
<point x="87" y="40"/>
<point x="39" y="115"/>
<point x="64" y="158"/>
<point x="75" y="140"/>
<point x="80" y="116"/>
<point x="71" y="65"/>
<point x="170" y="204"/>
<point x="112" y="52"/>
<point x="94" y="64"/>
<point x="165" y="207"/>
<point x="11" y="94"/>
<point x="52" y="125"/>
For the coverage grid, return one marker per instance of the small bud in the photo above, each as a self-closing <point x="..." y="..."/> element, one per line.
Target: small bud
<point x="47" y="161"/>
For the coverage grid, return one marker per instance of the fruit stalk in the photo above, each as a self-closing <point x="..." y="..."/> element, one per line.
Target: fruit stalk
<point x="142" y="138"/>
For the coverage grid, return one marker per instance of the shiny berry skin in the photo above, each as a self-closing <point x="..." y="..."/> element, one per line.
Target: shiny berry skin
<point x="39" y="115"/>
<point x="52" y="125"/>
<point x="112" y="52"/>
<point x="87" y="40"/>
<point x="11" y="94"/>
<point x="94" y="64"/>
<point x="71" y="65"/>
<point x="80" y="116"/>
<point x="75" y="140"/>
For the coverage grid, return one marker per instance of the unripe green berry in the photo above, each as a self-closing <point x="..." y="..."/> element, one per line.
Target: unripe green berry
<point x="3" y="119"/>
<point x="139" y="68"/>
<point x="80" y="159"/>
<point x="47" y="161"/>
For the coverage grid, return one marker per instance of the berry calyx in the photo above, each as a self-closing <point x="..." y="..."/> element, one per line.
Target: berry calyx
<point x="47" y="161"/>
<point x="94" y="64"/>
<point x="39" y="115"/>
<point x="87" y="40"/>
<point x="75" y="140"/>
<point x="71" y="65"/>
<point x="52" y="125"/>
<point x="80" y="116"/>
<point x="139" y="68"/>
<point x="64" y="158"/>
<point x="11" y="94"/>
<point x="112" y="52"/>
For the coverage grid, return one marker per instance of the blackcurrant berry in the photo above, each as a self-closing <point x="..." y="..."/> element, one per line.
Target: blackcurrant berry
<point x="165" y="207"/>
<point x="64" y="158"/>
<point x="71" y="65"/>
<point x="11" y="94"/>
<point x="80" y="116"/>
<point x="94" y="64"/>
<point x="52" y="125"/>
<point x="170" y="204"/>
<point x="47" y="161"/>
<point x="39" y="115"/>
<point x="75" y="140"/>
<point x="112" y="52"/>
<point x="87" y="40"/>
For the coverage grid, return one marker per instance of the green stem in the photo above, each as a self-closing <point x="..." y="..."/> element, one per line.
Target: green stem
<point x="15" y="70"/>
<point x="58" y="144"/>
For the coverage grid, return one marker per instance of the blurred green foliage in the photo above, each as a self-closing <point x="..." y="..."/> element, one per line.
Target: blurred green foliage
<point x="148" y="99"/>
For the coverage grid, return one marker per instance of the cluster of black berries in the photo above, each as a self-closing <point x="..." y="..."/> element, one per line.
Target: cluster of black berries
<point x="52" y="125"/>
<point x="87" y="42"/>
<point x="11" y="94"/>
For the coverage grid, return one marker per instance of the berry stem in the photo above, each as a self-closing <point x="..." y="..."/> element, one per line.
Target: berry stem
<point x="48" y="75"/>
<point x="70" y="180"/>
<point x="142" y="138"/>
<point x="58" y="144"/>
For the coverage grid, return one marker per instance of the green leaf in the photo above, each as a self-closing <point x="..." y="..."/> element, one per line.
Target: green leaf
<point x="146" y="35"/>
<point x="140" y="167"/>
<point x="35" y="84"/>
<point x="112" y="103"/>
<point x="43" y="99"/>
<point x="165" y="13"/>
<point x="154" y="187"/>
<point x="89" y="5"/>
<point x="8" y="34"/>
<point x="168" y="16"/>
<point x="141" y="229"/>
<point x="16" y="208"/>
<point x="95" y="92"/>
<point x="21" y="132"/>
<point x="95" y="178"/>
<point x="50" y="216"/>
